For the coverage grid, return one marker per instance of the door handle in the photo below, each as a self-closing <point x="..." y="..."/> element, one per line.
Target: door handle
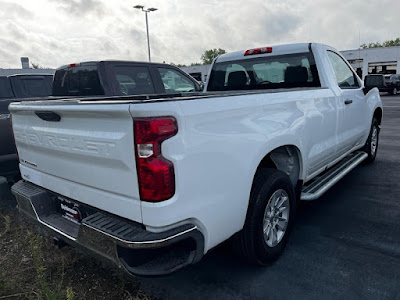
<point x="48" y="116"/>
<point x="348" y="101"/>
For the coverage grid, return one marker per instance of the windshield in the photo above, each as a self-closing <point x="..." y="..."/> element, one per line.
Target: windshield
<point x="270" y="72"/>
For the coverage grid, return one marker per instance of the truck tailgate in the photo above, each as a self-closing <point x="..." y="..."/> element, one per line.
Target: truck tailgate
<point x="87" y="155"/>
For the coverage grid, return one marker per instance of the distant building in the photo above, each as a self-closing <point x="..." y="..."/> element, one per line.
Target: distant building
<point x="374" y="60"/>
<point x="25" y="71"/>
<point x="198" y="72"/>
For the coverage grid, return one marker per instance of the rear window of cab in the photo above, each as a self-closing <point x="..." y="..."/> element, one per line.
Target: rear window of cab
<point x="269" y="72"/>
<point x="77" y="81"/>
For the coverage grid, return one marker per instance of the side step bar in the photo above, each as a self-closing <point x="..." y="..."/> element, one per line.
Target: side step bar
<point x="323" y="183"/>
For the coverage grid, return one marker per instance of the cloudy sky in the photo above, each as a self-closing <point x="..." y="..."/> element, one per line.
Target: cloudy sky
<point x="56" y="32"/>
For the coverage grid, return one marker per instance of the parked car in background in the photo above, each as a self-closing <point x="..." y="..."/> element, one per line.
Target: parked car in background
<point x="25" y="86"/>
<point x="389" y="83"/>
<point x="392" y="83"/>
<point x="154" y="182"/>
<point x="119" y="78"/>
<point x="17" y="88"/>
<point x="29" y="85"/>
<point x="6" y="91"/>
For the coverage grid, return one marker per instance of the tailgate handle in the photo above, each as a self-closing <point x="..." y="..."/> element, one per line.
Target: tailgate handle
<point x="49" y="116"/>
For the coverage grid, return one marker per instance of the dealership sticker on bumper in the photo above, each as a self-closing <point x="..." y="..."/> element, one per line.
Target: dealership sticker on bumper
<point x="70" y="211"/>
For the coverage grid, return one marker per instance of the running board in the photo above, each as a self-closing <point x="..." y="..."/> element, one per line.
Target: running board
<point x="323" y="183"/>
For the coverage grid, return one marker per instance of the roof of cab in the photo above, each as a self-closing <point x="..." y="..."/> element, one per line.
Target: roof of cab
<point x="276" y="50"/>
<point x="28" y="75"/>
<point x="95" y="62"/>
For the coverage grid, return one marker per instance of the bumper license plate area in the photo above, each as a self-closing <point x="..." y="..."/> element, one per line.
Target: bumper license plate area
<point x="70" y="210"/>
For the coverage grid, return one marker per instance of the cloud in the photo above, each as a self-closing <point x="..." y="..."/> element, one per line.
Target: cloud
<point x="53" y="33"/>
<point x="82" y="7"/>
<point x="13" y="10"/>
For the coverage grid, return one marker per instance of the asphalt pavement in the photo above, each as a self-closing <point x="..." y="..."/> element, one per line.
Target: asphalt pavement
<point x="345" y="244"/>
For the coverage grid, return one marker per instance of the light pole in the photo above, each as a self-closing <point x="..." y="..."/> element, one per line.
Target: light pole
<point x="147" y="23"/>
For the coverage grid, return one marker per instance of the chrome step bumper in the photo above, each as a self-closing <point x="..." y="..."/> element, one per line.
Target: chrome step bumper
<point x="126" y="243"/>
<point x="323" y="183"/>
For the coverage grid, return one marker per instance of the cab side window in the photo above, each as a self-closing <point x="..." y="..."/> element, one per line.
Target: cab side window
<point x="133" y="80"/>
<point x="345" y="77"/>
<point x="175" y="82"/>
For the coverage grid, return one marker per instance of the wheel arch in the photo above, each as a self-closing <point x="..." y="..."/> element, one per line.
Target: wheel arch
<point x="378" y="115"/>
<point x="286" y="158"/>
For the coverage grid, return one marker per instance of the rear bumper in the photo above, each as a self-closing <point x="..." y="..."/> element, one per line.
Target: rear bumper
<point x="124" y="242"/>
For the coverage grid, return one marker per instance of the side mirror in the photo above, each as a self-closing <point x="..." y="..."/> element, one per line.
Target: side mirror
<point x="201" y="86"/>
<point x="372" y="81"/>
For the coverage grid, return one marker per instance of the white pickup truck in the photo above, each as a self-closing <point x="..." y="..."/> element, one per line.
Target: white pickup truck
<point x="154" y="182"/>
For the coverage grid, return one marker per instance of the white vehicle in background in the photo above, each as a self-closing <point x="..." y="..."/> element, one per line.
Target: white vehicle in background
<point x="154" y="183"/>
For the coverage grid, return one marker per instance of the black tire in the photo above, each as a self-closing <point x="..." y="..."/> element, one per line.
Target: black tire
<point x="369" y="145"/>
<point x="250" y="240"/>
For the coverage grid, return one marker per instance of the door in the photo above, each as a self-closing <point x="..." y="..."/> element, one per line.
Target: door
<point x="353" y="115"/>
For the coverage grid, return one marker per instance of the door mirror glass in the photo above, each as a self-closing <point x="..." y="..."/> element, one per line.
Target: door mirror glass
<point x="371" y="81"/>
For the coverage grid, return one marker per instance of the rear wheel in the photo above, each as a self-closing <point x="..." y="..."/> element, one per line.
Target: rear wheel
<point x="371" y="146"/>
<point x="394" y="91"/>
<point x="270" y="217"/>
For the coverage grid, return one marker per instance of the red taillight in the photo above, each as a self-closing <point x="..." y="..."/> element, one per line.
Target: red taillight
<point x="72" y="65"/>
<point x="155" y="173"/>
<point x="258" y="51"/>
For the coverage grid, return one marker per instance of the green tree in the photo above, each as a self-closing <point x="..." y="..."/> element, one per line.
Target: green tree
<point x="209" y="55"/>
<point x="390" y="43"/>
<point x="36" y="66"/>
<point x="182" y="65"/>
<point x="177" y="65"/>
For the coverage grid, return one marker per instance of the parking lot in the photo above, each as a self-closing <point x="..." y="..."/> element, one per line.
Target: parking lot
<point x="345" y="245"/>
